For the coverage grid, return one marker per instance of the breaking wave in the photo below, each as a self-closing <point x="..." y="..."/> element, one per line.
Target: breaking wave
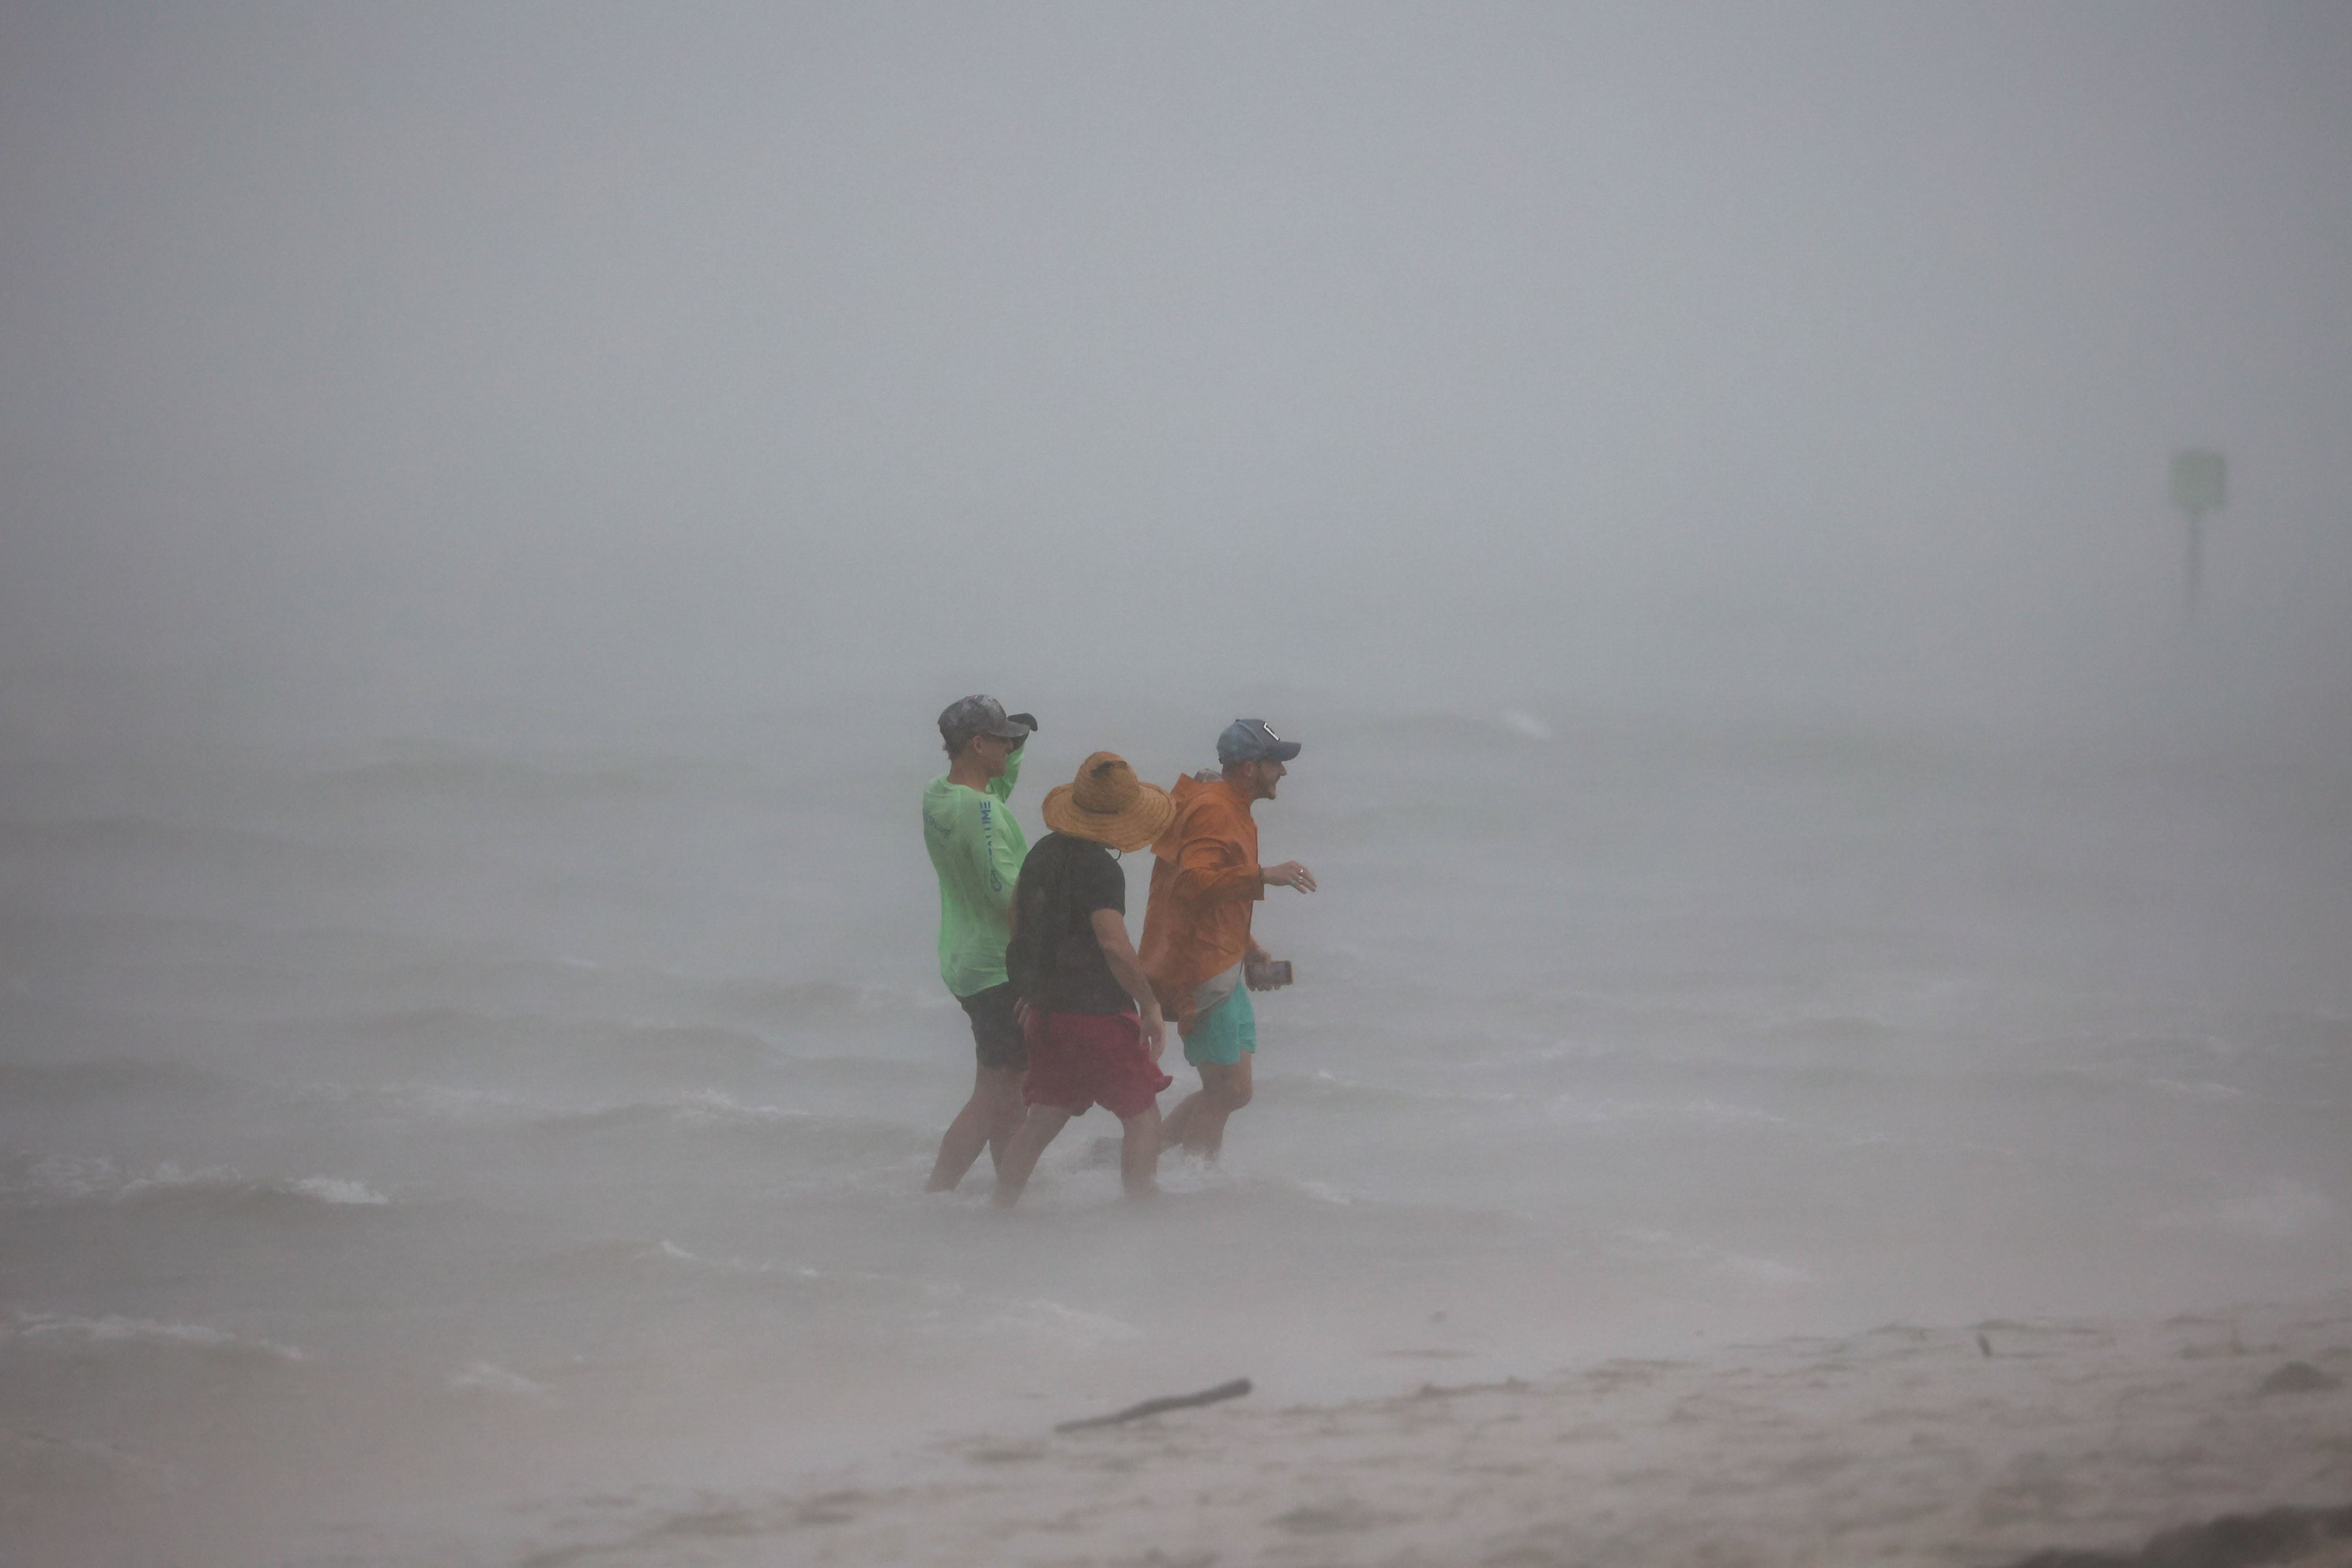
<point x="60" y="1180"/>
<point x="52" y="1331"/>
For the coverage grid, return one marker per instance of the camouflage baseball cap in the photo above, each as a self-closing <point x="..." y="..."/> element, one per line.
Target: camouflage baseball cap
<point x="969" y="716"/>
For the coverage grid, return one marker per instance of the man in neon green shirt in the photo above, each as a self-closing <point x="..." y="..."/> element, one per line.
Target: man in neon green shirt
<point x="976" y="849"/>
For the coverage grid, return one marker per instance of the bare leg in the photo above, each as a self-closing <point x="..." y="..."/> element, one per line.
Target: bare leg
<point x="1199" y="1124"/>
<point x="986" y="1121"/>
<point x="1044" y="1123"/>
<point x="1138" y="1152"/>
<point x="1010" y="1114"/>
<point x="1173" y="1126"/>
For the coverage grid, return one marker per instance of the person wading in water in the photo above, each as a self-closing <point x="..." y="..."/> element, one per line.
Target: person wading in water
<point x="1206" y="879"/>
<point x="977" y="849"/>
<point x="1093" y="1026"/>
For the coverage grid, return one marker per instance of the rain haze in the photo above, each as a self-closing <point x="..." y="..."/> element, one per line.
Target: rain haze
<point x="492" y="500"/>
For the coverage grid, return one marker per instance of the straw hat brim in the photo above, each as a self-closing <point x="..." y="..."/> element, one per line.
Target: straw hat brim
<point x="1145" y="818"/>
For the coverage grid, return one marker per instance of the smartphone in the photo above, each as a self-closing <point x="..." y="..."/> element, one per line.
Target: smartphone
<point x="1268" y="975"/>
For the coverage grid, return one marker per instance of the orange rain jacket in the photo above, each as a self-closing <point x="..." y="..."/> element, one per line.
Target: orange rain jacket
<point x="1204" y="876"/>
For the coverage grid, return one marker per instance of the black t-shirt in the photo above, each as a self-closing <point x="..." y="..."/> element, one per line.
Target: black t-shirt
<point x="1056" y="957"/>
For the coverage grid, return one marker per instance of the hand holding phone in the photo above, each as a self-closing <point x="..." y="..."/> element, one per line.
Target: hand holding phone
<point x="1270" y="975"/>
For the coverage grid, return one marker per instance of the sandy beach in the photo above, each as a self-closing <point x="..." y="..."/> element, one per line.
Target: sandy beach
<point x="1979" y="1445"/>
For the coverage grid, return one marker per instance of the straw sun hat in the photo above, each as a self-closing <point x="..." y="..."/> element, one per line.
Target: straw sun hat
<point x="1107" y="803"/>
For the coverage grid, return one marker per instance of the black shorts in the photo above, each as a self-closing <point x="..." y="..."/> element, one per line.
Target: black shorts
<point x="996" y="1033"/>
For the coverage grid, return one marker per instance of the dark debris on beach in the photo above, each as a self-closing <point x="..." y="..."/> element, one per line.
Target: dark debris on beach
<point x="2282" y="1535"/>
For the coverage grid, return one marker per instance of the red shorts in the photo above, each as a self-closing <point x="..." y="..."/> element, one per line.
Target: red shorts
<point x="1079" y="1059"/>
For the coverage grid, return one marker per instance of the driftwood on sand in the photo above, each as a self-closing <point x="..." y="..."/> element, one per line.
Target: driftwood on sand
<point x="1233" y="1390"/>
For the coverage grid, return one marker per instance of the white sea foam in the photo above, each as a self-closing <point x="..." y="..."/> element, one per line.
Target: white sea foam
<point x="746" y="1265"/>
<point x="1766" y="1270"/>
<point x="66" y="1179"/>
<point x="1759" y="1270"/>
<point x="1579" y="1110"/>
<point x="50" y="1329"/>
<point x="62" y="1176"/>
<point x="1520" y="722"/>
<point x="339" y="1190"/>
<point x="1072" y="1327"/>
<point x="712" y="1105"/>
<point x="168" y="1178"/>
<point x="488" y="1377"/>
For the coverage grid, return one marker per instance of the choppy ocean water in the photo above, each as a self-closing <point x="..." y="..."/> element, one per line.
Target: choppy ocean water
<point x="403" y="1124"/>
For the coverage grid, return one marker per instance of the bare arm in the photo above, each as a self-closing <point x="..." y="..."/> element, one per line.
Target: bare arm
<point x="1111" y="930"/>
<point x="1290" y="874"/>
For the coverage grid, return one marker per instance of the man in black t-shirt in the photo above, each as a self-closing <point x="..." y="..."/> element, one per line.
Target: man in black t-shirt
<point x="1093" y="1026"/>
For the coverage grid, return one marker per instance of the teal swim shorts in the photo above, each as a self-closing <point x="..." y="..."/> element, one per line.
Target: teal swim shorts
<point x="1223" y="1033"/>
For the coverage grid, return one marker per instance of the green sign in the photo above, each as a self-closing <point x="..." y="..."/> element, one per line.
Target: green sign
<point x="2200" y="481"/>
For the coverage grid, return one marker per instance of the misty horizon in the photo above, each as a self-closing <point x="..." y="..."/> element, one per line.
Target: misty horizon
<point x="1826" y="355"/>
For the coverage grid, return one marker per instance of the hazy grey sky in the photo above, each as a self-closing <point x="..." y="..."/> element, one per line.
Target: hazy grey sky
<point x="1529" y="349"/>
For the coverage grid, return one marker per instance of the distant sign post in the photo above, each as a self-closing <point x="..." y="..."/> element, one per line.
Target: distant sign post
<point x="2201" y="483"/>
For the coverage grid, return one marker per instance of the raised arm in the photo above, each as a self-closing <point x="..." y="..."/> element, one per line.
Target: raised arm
<point x="1000" y="786"/>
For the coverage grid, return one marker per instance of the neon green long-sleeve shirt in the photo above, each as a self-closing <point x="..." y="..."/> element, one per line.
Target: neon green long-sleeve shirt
<point x="976" y="849"/>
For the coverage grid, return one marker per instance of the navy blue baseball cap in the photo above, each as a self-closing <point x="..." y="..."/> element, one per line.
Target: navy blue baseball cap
<point x="1251" y="740"/>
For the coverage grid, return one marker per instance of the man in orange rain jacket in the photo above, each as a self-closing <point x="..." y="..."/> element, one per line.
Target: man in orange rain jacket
<point x="1205" y="877"/>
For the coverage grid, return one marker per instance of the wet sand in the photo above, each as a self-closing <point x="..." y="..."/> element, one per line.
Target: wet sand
<point x="1983" y="1445"/>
